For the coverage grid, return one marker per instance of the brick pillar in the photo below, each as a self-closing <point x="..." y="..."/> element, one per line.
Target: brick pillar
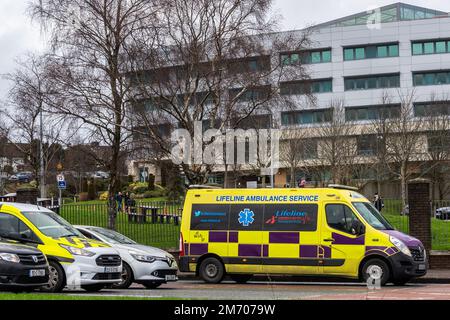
<point x="419" y="202"/>
<point x="27" y="196"/>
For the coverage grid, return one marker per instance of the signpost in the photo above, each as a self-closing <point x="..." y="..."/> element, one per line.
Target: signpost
<point x="61" y="186"/>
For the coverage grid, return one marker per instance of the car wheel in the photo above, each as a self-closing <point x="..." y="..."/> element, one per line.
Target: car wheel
<point x="127" y="278"/>
<point x="152" y="284"/>
<point x="377" y="271"/>
<point x="93" y="287"/>
<point x="241" y="278"/>
<point x="212" y="270"/>
<point x="56" y="282"/>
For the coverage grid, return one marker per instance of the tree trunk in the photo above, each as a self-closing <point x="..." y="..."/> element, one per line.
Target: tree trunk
<point x="403" y="184"/>
<point x="292" y="182"/>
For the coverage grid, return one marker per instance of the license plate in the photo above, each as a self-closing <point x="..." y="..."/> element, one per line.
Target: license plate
<point x="112" y="269"/>
<point x="422" y="267"/>
<point x="171" y="277"/>
<point x="37" y="273"/>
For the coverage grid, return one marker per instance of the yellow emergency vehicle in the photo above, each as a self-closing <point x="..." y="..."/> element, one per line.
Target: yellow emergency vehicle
<point x="331" y="231"/>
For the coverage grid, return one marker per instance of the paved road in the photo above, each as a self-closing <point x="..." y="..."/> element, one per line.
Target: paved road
<point x="285" y="290"/>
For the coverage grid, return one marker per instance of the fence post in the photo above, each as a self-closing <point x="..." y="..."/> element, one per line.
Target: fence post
<point x="419" y="201"/>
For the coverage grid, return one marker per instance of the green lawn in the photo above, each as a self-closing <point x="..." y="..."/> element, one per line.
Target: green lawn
<point x="38" y="296"/>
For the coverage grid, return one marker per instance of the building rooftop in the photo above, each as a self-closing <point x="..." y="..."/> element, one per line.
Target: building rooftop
<point x="391" y="13"/>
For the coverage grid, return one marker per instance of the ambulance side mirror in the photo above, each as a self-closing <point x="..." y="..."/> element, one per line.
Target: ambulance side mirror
<point x="358" y="228"/>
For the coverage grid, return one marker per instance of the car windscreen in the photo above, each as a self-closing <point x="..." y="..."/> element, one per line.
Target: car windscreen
<point x="51" y="225"/>
<point x="112" y="236"/>
<point x="372" y="216"/>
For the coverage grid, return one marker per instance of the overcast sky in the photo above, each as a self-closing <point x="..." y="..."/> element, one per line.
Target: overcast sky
<point x="19" y="35"/>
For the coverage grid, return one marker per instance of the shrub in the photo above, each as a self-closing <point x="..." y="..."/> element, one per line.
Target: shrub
<point x="104" y="195"/>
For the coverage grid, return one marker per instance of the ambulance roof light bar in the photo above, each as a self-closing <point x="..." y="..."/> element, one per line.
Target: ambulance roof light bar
<point x="342" y="187"/>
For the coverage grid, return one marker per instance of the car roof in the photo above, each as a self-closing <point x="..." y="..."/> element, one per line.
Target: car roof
<point x="25" y="206"/>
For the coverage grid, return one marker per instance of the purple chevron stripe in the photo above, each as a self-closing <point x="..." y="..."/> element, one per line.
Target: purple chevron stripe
<point x="186" y="249"/>
<point x="308" y="251"/>
<point x="249" y="250"/>
<point x="218" y="236"/>
<point x="197" y="249"/>
<point x="284" y="237"/>
<point x="340" y="239"/>
<point x="390" y="251"/>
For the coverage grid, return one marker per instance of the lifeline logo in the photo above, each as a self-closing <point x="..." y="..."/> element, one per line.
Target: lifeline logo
<point x="289" y="216"/>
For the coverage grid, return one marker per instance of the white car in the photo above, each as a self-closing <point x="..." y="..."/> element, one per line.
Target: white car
<point x="142" y="264"/>
<point x="443" y="213"/>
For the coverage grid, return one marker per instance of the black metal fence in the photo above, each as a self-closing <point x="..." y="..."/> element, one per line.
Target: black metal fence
<point x="154" y="223"/>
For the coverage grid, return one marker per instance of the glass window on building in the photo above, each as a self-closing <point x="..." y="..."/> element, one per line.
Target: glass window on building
<point x="371" y="52"/>
<point x="349" y="54"/>
<point x="326" y="56"/>
<point x="418" y="79"/>
<point x="360" y="53"/>
<point x="285" y="59"/>
<point x="441" y="78"/>
<point x="349" y="84"/>
<point x="428" y="47"/>
<point x="417" y="48"/>
<point x="393" y="50"/>
<point x="429" y="79"/>
<point x="441" y="47"/>
<point x="315" y="57"/>
<point x="382" y="51"/>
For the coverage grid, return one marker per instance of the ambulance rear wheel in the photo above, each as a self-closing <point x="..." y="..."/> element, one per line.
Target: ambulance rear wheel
<point x="375" y="271"/>
<point x="211" y="270"/>
<point x="241" y="278"/>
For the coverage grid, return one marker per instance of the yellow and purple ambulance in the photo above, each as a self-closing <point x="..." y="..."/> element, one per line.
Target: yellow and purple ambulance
<point x="332" y="231"/>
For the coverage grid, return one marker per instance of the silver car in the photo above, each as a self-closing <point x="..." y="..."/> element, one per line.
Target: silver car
<point x="142" y="264"/>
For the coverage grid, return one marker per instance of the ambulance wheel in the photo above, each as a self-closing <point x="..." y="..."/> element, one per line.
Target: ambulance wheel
<point x="56" y="282"/>
<point x="241" y="278"/>
<point x="212" y="270"/>
<point x="376" y="271"/>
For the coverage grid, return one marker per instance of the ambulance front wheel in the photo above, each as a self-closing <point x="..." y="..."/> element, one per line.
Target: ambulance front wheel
<point x="212" y="270"/>
<point x="375" y="272"/>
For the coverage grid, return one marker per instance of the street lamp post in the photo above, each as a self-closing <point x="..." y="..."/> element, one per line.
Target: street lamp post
<point x="41" y="155"/>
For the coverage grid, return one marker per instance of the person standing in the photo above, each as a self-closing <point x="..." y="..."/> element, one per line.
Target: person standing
<point x="378" y="202"/>
<point x="119" y="200"/>
<point x="126" y="199"/>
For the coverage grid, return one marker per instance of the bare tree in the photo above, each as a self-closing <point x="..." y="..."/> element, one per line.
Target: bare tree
<point x="214" y="62"/>
<point x="38" y="136"/>
<point x="337" y="149"/>
<point x="403" y="143"/>
<point x="296" y="148"/>
<point x="91" y="40"/>
<point x="437" y="127"/>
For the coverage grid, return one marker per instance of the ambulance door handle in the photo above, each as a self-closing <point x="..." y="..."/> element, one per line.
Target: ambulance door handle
<point x="329" y="240"/>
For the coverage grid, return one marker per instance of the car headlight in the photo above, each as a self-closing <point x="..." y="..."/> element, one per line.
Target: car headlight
<point x="9" y="257"/>
<point x="142" y="257"/>
<point x="400" y="246"/>
<point x="78" y="251"/>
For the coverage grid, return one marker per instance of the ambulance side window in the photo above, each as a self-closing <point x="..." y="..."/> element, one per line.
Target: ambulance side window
<point x="340" y="217"/>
